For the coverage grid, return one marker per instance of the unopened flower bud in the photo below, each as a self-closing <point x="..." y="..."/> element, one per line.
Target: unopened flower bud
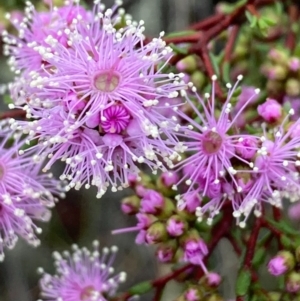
<point x="198" y="79"/>
<point x="176" y="226"/>
<point x="166" y="181"/>
<point x="169" y="178"/>
<point x="213" y="279"/>
<point x="152" y="202"/>
<point x="188" y="64"/>
<point x="292" y="87"/>
<point x="270" y="110"/>
<point x="194" y="251"/>
<point x="246" y="148"/>
<point x="278" y="56"/>
<point x="277" y="72"/>
<point x="214" y="297"/>
<point x="293" y="282"/>
<point x="280" y="264"/>
<point x="274" y="296"/>
<point x="294" y="64"/>
<point x="193" y="294"/>
<point x="156" y="233"/>
<point x="130" y="205"/>
<point x="166" y="251"/>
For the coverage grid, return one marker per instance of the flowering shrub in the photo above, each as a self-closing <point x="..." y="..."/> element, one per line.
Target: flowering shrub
<point x="200" y="127"/>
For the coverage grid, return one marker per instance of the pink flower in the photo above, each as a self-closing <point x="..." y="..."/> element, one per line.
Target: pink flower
<point x="152" y="202"/>
<point x="82" y="275"/>
<point x="277" y="266"/>
<point x="175" y="226"/>
<point x="270" y="110"/>
<point x="194" y="252"/>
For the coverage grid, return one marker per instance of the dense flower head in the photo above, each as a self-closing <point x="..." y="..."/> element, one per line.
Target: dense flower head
<point x="25" y="194"/>
<point x="275" y="171"/>
<point x="82" y="275"/>
<point x="95" y="99"/>
<point x="217" y="151"/>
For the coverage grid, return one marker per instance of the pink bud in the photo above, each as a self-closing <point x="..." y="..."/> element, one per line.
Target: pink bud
<point x="152" y="202"/>
<point x="169" y="178"/>
<point x="175" y="226"/>
<point x="277" y="266"/>
<point x="246" y="148"/>
<point x="270" y="110"/>
<point x="213" y="279"/>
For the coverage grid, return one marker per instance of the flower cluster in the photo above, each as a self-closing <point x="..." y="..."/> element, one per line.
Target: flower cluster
<point x="96" y="94"/>
<point x="225" y="163"/>
<point x="161" y="223"/>
<point x="82" y="275"/>
<point x="25" y="195"/>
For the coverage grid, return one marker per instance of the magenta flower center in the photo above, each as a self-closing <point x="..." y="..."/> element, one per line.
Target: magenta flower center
<point x="211" y="142"/>
<point x="87" y="293"/>
<point x="107" y="81"/>
<point x="115" y="119"/>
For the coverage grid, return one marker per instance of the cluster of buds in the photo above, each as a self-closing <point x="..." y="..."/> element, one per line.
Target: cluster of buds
<point x="282" y="70"/>
<point x="286" y="264"/>
<point x="191" y="66"/>
<point x="161" y="222"/>
<point x="204" y="290"/>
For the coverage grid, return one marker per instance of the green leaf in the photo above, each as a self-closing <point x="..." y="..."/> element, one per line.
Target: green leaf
<point x="259" y="256"/>
<point x="243" y="283"/>
<point x="7" y="99"/>
<point x="178" y="50"/>
<point x="226" y="72"/>
<point x="180" y="33"/>
<point x="286" y="241"/>
<point x="216" y="59"/>
<point x="141" y="288"/>
<point x="284" y="227"/>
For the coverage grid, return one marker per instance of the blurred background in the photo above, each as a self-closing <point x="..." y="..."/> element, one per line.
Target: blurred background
<point x="81" y="218"/>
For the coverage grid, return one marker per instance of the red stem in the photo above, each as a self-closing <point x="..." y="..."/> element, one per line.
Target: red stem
<point x="193" y="38"/>
<point x="207" y="23"/>
<point x="13" y="114"/>
<point x="293" y="18"/>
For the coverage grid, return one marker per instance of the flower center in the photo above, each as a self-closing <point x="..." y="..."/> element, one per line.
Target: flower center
<point x="115" y="119"/>
<point x="211" y="142"/>
<point x="106" y="81"/>
<point x="88" y="293"/>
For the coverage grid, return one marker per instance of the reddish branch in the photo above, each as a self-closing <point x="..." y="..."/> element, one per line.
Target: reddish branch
<point x="183" y="39"/>
<point x="293" y="18"/>
<point x="207" y="23"/>
<point x="17" y="113"/>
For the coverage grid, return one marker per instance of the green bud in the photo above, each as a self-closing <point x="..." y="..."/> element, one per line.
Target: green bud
<point x="293" y="282"/>
<point x="240" y="52"/>
<point x="292" y="87"/>
<point x="188" y="64"/>
<point x="156" y="233"/>
<point x="274" y="86"/>
<point x="198" y="79"/>
<point x="168" y="208"/>
<point x="288" y="258"/>
<point x="214" y="297"/>
<point x="278" y="56"/>
<point x="274" y="296"/>
<point x="130" y="205"/>
<point x="279" y="72"/>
